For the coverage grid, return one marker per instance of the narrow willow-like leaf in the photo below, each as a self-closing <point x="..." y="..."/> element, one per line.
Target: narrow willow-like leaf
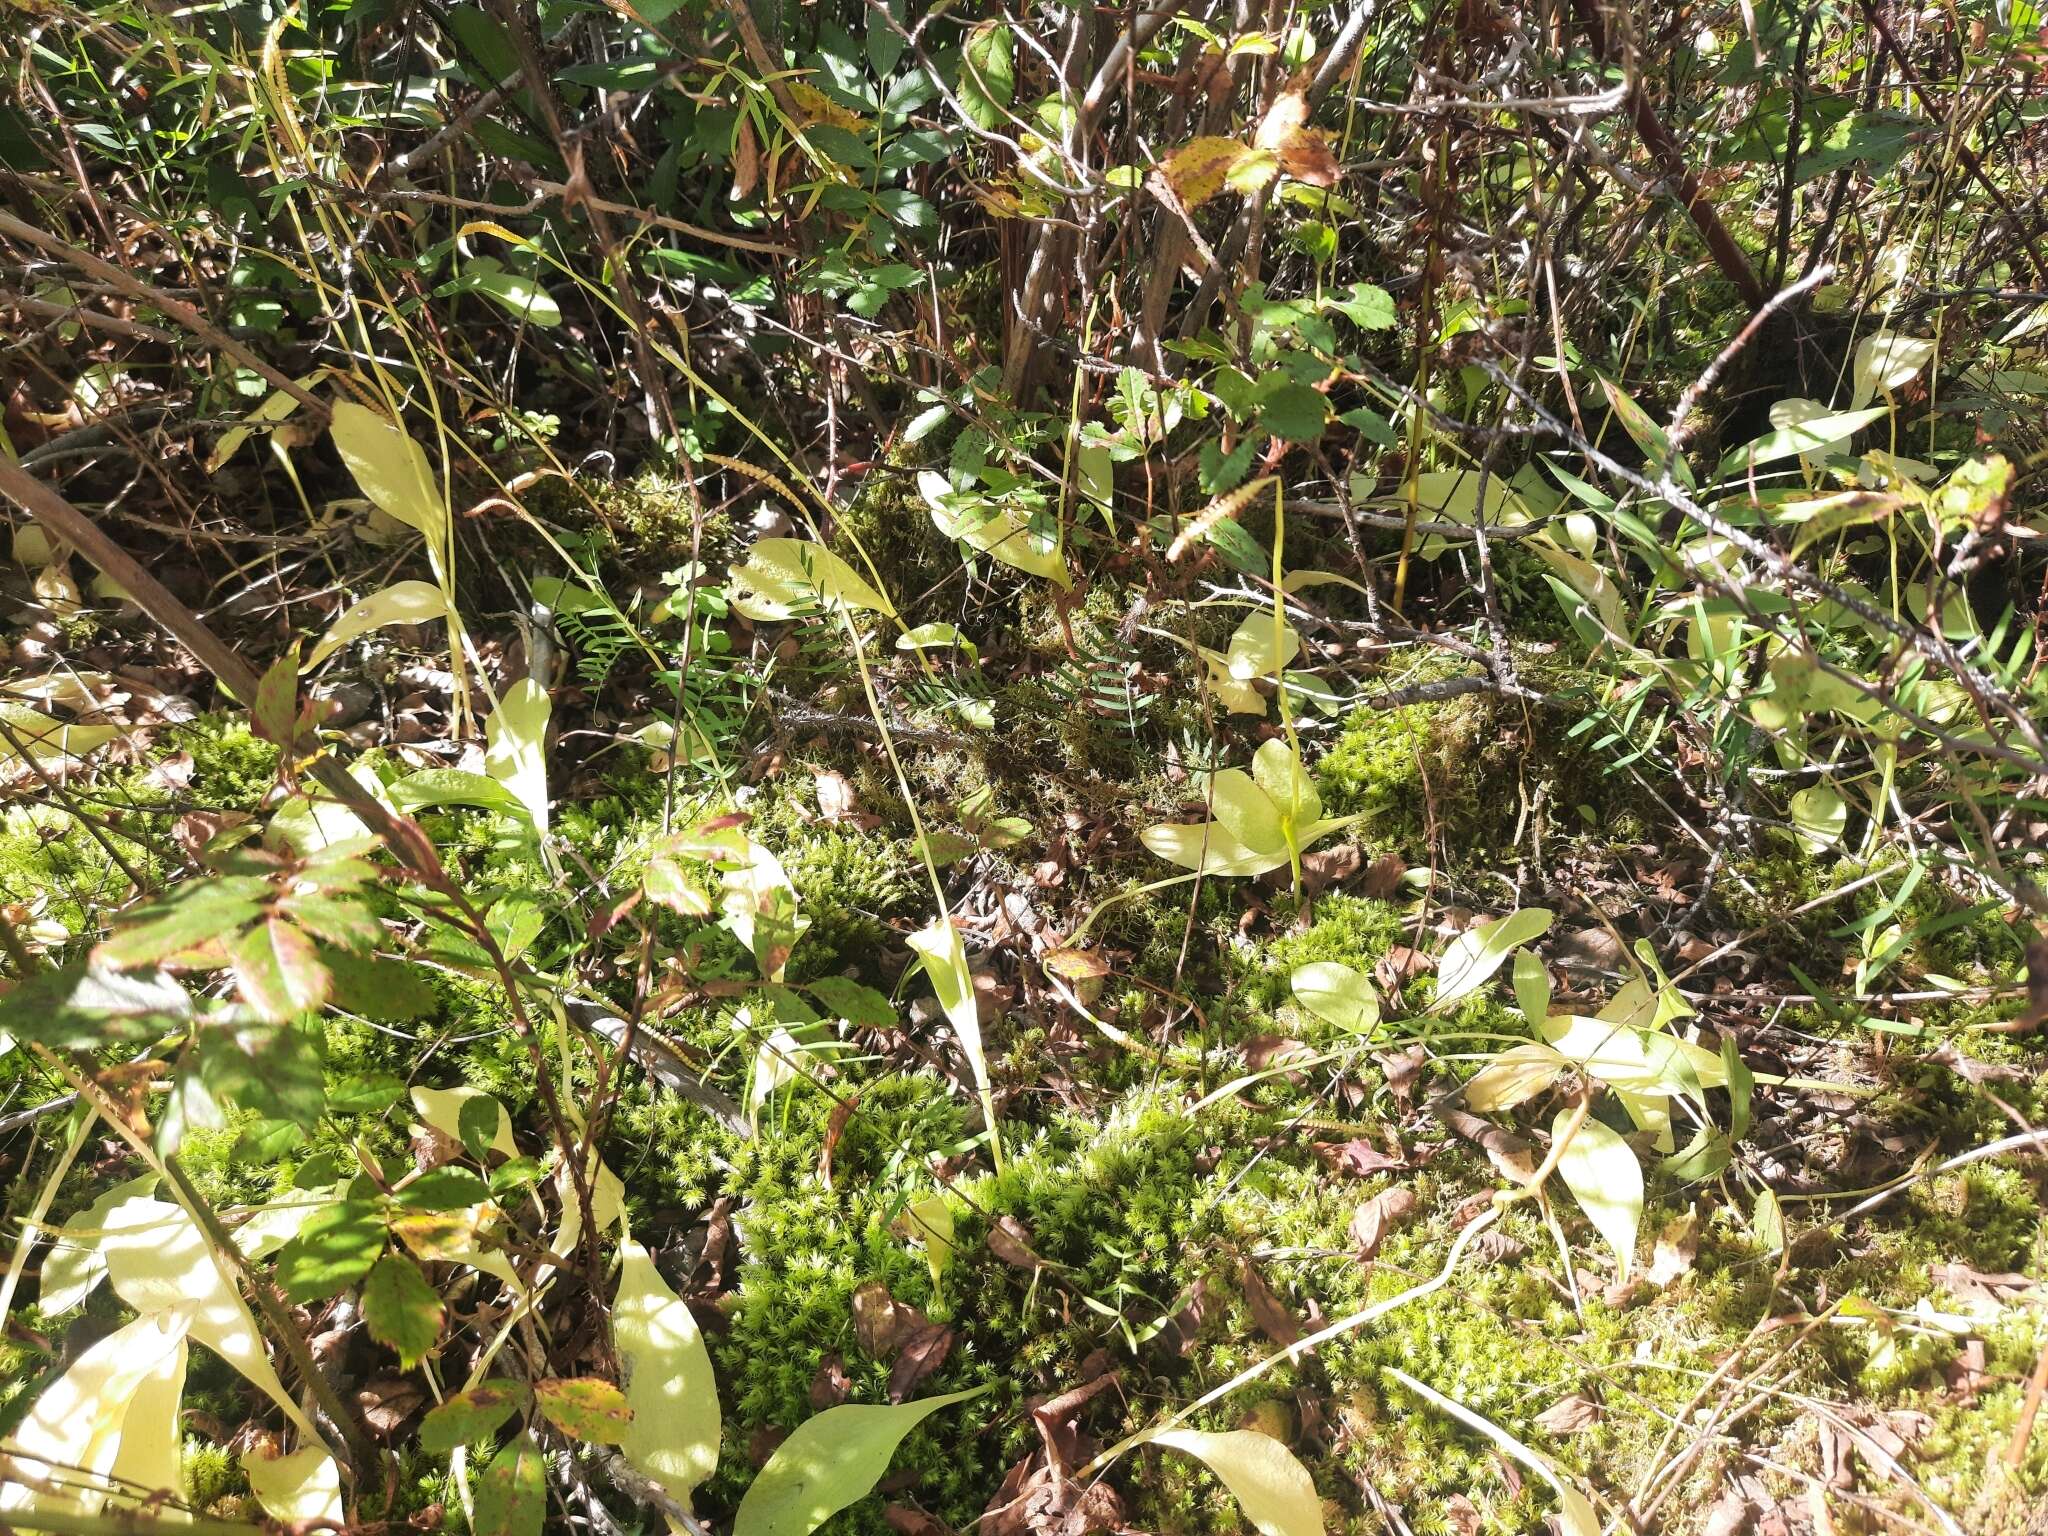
<point x="944" y="958"/>
<point x="1604" y="1177"/>
<point x="669" y="1382"/>
<point x="403" y="602"/>
<point x="832" y="1460"/>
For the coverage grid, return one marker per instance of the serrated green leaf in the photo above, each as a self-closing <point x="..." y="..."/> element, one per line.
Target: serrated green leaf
<point x="512" y="1492"/>
<point x="333" y="1251"/>
<point x="585" y="1408"/>
<point x="400" y="1309"/>
<point x="470" y="1416"/>
<point x="278" y="972"/>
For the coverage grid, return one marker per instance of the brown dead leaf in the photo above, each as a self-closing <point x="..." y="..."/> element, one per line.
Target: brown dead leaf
<point x="1968" y="1284"/>
<point x="1402" y="1069"/>
<point x="1010" y="1240"/>
<point x="1201" y="168"/>
<point x="1268" y="1310"/>
<point x="1399" y="965"/>
<point x="1463" y="1515"/>
<point x="836" y="800"/>
<point x="923" y="1352"/>
<point x="387" y="1403"/>
<point x="1677" y="1246"/>
<point x="1360" y="1158"/>
<point x="1373" y="1220"/>
<point x="1263" y="1051"/>
<point x="1569" y="1415"/>
<point x="831" y="1386"/>
<point x="1512" y="1157"/>
<point x="762" y="1443"/>
<point x="835" y="1127"/>
<point x="746" y="161"/>
<point x="881" y="1322"/>
<point x="1383" y="877"/>
<point x="906" y="1521"/>
<point x="1184" y="1326"/>
<point x="1327" y="866"/>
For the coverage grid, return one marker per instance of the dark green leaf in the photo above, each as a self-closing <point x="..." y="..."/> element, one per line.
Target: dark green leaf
<point x="273" y="1070"/>
<point x="202" y="910"/>
<point x="364" y="1093"/>
<point x="1291" y="411"/>
<point x="443" y="1189"/>
<point x="988" y="73"/>
<point x="1877" y="138"/>
<point x="584" y="1408"/>
<point x="400" y="1309"/>
<point x="470" y="1416"/>
<point x="334" y="1250"/>
<point x="849" y="1000"/>
<point x="81" y="1007"/>
<point x="264" y="1142"/>
<point x="1366" y="306"/>
<point x="477" y="1121"/>
<point x="512" y="1493"/>
<point x="379" y="988"/>
<point x="516" y="1174"/>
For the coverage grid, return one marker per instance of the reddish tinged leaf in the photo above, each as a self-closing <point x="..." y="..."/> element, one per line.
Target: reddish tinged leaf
<point x="881" y="1322"/>
<point x="924" y="1350"/>
<point x="834" y="1129"/>
<point x="1362" y="1158"/>
<point x="831" y="1386"/>
<point x="278" y="971"/>
<point x="1268" y="1310"/>
<point x="1379" y="1216"/>
<point x="1010" y="1240"/>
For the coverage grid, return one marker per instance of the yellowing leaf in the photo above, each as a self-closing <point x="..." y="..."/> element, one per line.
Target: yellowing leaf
<point x="403" y="602"/>
<point x="48" y="741"/>
<point x="1263" y="819"/>
<point x="276" y="406"/>
<point x="1513" y="1077"/>
<point x="75" y="1264"/>
<point x="930" y="1221"/>
<point x="783" y="579"/>
<point x="833" y="1459"/>
<point x="304" y="1486"/>
<point x="1475" y="954"/>
<point x="1256" y="651"/>
<point x="114" y="1412"/>
<point x="391" y="469"/>
<point x="1885" y="361"/>
<point x="516" y="750"/>
<point x="1607" y="1181"/>
<point x="1201" y="168"/>
<point x="1273" y="1488"/>
<point x="944" y="959"/>
<point x="442" y="1109"/>
<point x="158" y="1260"/>
<point x="668" y="1378"/>
<point x="1013" y="535"/>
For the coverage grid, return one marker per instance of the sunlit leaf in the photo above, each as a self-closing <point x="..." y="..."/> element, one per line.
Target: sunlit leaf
<point x="302" y="1487"/>
<point x="1513" y="1077"/>
<point x="1475" y="954"/>
<point x="516" y="754"/>
<point x="944" y="959"/>
<point x="831" y="1460"/>
<point x="36" y="737"/>
<point x="1338" y="995"/>
<point x="1603" y="1175"/>
<point x="401" y="1309"/>
<point x="74" y="1266"/>
<point x="1272" y="1488"/>
<point x="584" y="1408"/>
<point x="1024" y="538"/>
<point x="668" y="1379"/>
<point x="1886" y="361"/>
<point x="1819" y="815"/>
<point x="403" y="602"/>
<point x="391" y="469"/>
<point x="787" y="578"/>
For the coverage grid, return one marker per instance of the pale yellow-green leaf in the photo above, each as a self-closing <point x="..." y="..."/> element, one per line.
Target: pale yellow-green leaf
<point x="1278" y="771"/>
<point x="276" y="406"/>
<point x="774" y="1069"/>
<point x="1532" y="986"/>
<point x="1247" y="812"/>
<point x="1008" y="534"/>
<point x="304" y="1486"/>
<point x="48" y="741"/>
<point x="1273" y="1489"/>
<point x="1577" y="1514"/>
<point x="607" y="1204"/>
<point x="115" y="1406"/>
<point x="75" y="1264"/>
<point x="1337" y="994"/>
<point x="787" y="578"/>
<point x="1234" y="693"/>
<point x="667" y="1377"/>
<point x="1475" y="954"/>
<point x="759" y="905"/>
<point x="158" y="1259"/>
<point x="1513" y="1077"/>
<point x="1260" y="648"/>
<point x="833" y="1459"/>
<point x="391" y="469"/>
<point x="1603" y="1175"/>
<point x="516" y="750"/>
<point x="442" y="1109"/>
<point x="944" y="959"/>
<point x="1642" y="1061"/>
<point x="1813" y="425"/>
<point x="930" y="1221"/>
<point x="403" y="602"/>
<point x="1885" y="361"/>
<point x="1210" y="848"/>
<point x="1819" y="815"/>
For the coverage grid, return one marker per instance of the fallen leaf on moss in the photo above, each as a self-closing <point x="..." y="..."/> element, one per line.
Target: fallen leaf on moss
<point x="1268" y="1310"/>
<point x="1373" y="1220"/>
<point x="920" y="1354"/>
<point x="1569" y="1415"/>
<point x="1010" y="1240"/>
